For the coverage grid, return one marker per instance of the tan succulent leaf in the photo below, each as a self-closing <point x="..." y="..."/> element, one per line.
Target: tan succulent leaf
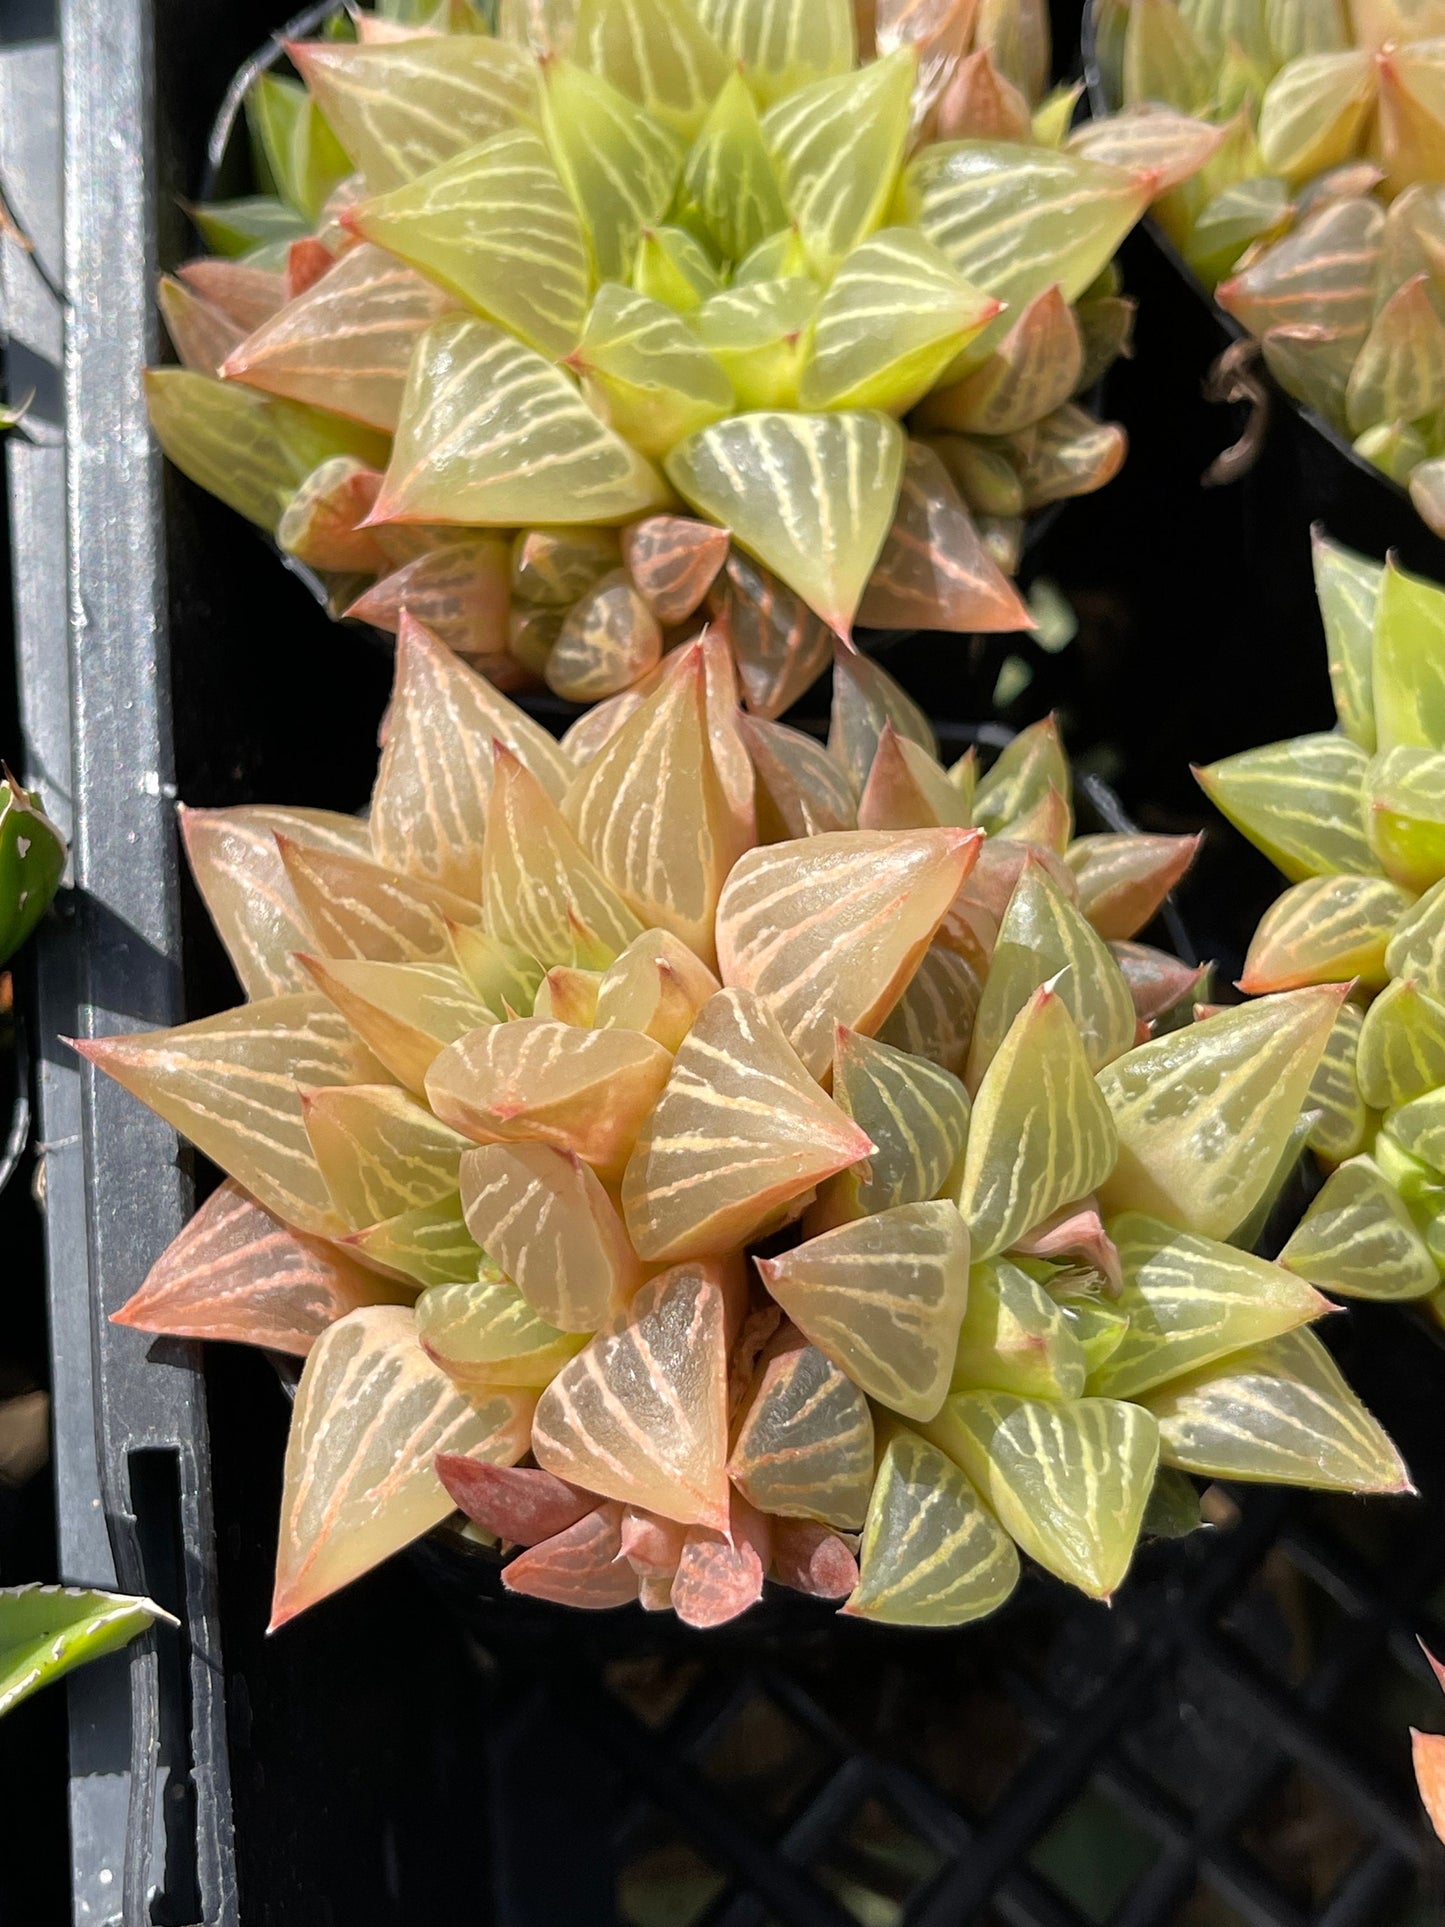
<point x="430" y="1246"/>
<point x="1399" y="374"/>
<point x="801" y="790"/>
<point x="907" y="790"/>
<point x="935" y="571"/>
<point x="673" y="562"/>
<point x="568" y="996"/>
<point x="1358" y="1238"/>
<point x="372" y="1411"/>
<point x="484" y="1333"/>
<point x="1036" y="367"/>
<point x="380" y="1152"/>
<point x="981" y="104"/>
<point x="779" y="645"/>
<point x="1068" y="1480"/>
<point x="581" y="1091"/>
<point x="1157" y="982"/>
<point x="1321" y="275"/>
<point x="916" y="1113"/>
<point x="456" y="589"/>
<point x="1405" y="796"/>
<point x="521" y="1505"/>
<point x="1124" y="881"/>
<point x="641" y="1414"/>
<point x="1324" y="931"/>
<point x="321" y="524"/>
<point x="729" y="751"/>
<point x="865" y="700"/>
<point x="1041" y="1134"/>
<point x="804" y="1448"/>
<point x="232" y="1085"/>
<point x="552" y="568"/>
<point x="201" y="334"/>
<point x="358" y="908"/>
<point x="1150" y="139"/>
<point x="609" y="640"/>
<point x="830" y="930"/>
<point x="932" y="1554"/>
<point x="811" y="1559"/>
<point x="578" y="1567"/>
<point x="720" y="1574"/>
<point x="618" y="164"/>
<point x="933" y="1019"/>
<point x="237" y="1272"/>
<point x="1279" y="1413"/>
<point x="1203" y="1114"/>
<point x="1016" y="1338"/>
<point x="657" y="986"/>
<point x="1068" y="453"/>
<point x="740" y="1133"/>
<point x="246" y="294"/>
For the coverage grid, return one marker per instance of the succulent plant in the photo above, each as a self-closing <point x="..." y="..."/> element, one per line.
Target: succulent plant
<point x="32" y="862"/>
<point x="689" y="1146"/>
<point x="1317" y="214"/>
<point x="47" y="1631"/>
<point x="549" y="338"/>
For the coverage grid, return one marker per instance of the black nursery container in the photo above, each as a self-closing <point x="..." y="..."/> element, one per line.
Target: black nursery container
<point x="1223" y="1748"/>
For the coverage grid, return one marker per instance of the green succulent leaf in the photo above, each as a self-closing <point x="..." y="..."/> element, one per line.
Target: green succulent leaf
<point x="430" y="1246"/>
<point x="1402" y="1046"/>
<point x="1358" y="1239"/>
<point x="657" y="53"/>
<point x="915" y="1113"/>
<point x="379" y="1152"/>
<point x="729" y="175"/>
<point x="1348" y="587"/>
<point x="1302" y="802"/>
<point x="1026" y="770"/>
<point x="645" y="372"/>
<point x="32" y="862"/>
<point x="1326" y="931"/>
<point x="47" y="1631"/>
<point x="485" y="1333"/>
<point x="1313" y="112"/>
<point x="1409" y="662"/>
<point x="1016" y="1338"/>
<point x="253" y="225"/>
<point x="303" y="158"/>
<point x="759" y="334"/>
<point x="1406" y="790"/>
<point x="783" y="46"/>
<point x="1399" y="373"/>
<point x="805" y="1448"/>
<point x="1342" y="1118"/>
<point x="673" y="267"/>
<point x="619" y="165"/>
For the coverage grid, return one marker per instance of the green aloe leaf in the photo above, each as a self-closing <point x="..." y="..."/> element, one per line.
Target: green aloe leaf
<point x="1406" y="790"/>
<point x="485" y="1333"/>
<point x="1402" y="1046"/>
<point x="645" y="372"/>
<point x="1302" y="802"/>
<point x="1342" y="1118"/>
<point x="47" y="1631"/>
<point x="619" y="165"/>
<point x="729" y="176"/>
<point x="431" y="1246"/>
<point x="1016" y="1338"/>
<point x="1409" y="659"/>
<point x="1358" y="1238"/>
<point x="915" y="1113"/>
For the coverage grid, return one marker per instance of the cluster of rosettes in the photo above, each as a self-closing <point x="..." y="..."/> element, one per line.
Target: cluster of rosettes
<point x="690" y="1146"/>
<point x="1319" y="215"/>
<point x="1356" y="819"/>
<point x="517" y="295"/>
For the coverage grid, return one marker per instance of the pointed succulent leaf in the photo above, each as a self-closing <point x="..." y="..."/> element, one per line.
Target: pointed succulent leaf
<point x="720" y="1573"/>
<point x="1150" y="139"/>
<point x="1124" y="881"/>
<point x="729" y="176"/>
<point x="1302" y="802"/>
<point x="1203" y="1114"/>
<point x="1348" y="587"/>
<point x="491" y="433"/>
<point x="1321" y="275"/>
<point x="372" y="1411"/>
<point x="380" y="1152"/>
<point x="457" y="590"/>
<point x="247" y="294"/>
<point x="657" y="53"/>
<point x="1417" y="947"/>
<point x="406" y="1013"/>
<point x="581" y="1567"/>
<point x="1400" y="372"/>
<point x="811" y="496"/>
<point x="1358" y="1238"/>
<point x="908" y="790"/>
<point x="739" y="1133"/>
<point x="759" y="333"/>
<point x="237" y="1272"/>
<point x="641" y="1414"/>
<point x="1068" y="453"/>
<point x="1015" y="1338"/>
<point x="1041" y="1135"/>
<point x="645" y="372"/>
<point x="865" y="700"/>
<point x="1401" y="1051"/>
<point x="1026" y="769"/>
<point x="321" y="525"/>
<point x="1405" y="791"/>
<point x="1069" y="1481"/>
<point x="804" y="1449"/>
<point x="1157" y="982"/>
<point x="1281" y="1413"/>
<point x="812" y="1559"/>
<point x="1098" y="1326"/>
<point x="201" y="334"/>
<point x="783" y="47"/>
<point x="568" y="996"/>
<point x="552" y="568"/>
<point x="982" y="104"/>
<point x="1191" y="1301"/>
<point x="657" y="986"/>
<point x="503" y="977"/>
<point x="484" y="1333"/>
<point x="935" y="571"/>
<point x="934" y="1017"/>
<point x="1326" y="931"/>
<point x="428" y="1247"/>
<point x="801" y="790"/>
<point x="362" y="909"/>
<point x="674" y="561"/>
<point x="932" y="1554"/>
<point x="1163" y="59"/>
<point x="46" y="1631"/>
<point x="1314" y="111"/>
<point x="609" y="640"/>
<point x="619" y="165"/>
<point x="401" y="110"/>
<point x="674" y="267"/>
<point x="916" y="1113"/>
<point x="1418" y="1128"/>
<point x="1034" y="370"/>
<point x="830" y="930"/>
<point x="1411" y="123"/>
<point x="519" y="1504"/>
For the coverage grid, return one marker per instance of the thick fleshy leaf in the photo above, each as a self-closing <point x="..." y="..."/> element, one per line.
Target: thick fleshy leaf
<point x="779" y="645"/>
<point x="641" y="1414"/>
<point x="1320" y="276"/>
<point x="400" y="110"/>
<point x="916" y="1113"/>
<point x="935" y="571"/>
<point x="362" y="909"/>
<point x="1015" y="1338"/>
<point x="811" y="496"/>
<point x="1025" y="771"/>
<point x="1150" y="139"/>
<point x="372" y="1411"/>
<point x="740" y="1132"/>
<point x="1409" y="684"/>
<point x="980" y="103"/>
<point x="380" y="1152"/>
<point x="812" y="1559"/>
<point x="202" y="335"/>
<point x="657" y="53"/>
<point x="1417" y="947"/>
<point x="491" y="433"/>
<point x="805" y="1446"/>
<point x="758" y="333"/>
<point x="237" y="1272"/>
<point x="1326" y="931"/>
<point x="321" y="525"/>
<point x="457" y="591"/>
<point x="581" y="1567"/>
<point x="1068" y="1481"/>
<point x="1157" y="982"/>
<point x="1068" y="453"/>
<point x="609" y="640"/>
<point x="1418" y="1128"/>
<point x="503" y="977"/>
<point x="801" y="790"/>
<point x="1124" y="881"/>
<point x="729" y="176"/>
<point x="46" y="1631"/>
<point x="554" y="567"/>
<point x="232" y="1085"/>
<point x="1191" y="1301"/>
<point x="484" y="1333"/>
<point x="431" y="1246"/>
<point x="1401" y="1052"/>
<point x="1399" y="374"/>
<point x="248" y="295"/>
<point x="934" y="1016"/>
<point x="1348" y="587"/>
<point x="582" y="1091"/>
<point x="619" y="166"/>
<point x="1313" y="112"/>
<point x="645" y="372"/>
<point x="1406" y="798"/>
<point x="784" y="46"/>
<point x="519" y="1504"/>
<point x="932" y="1554"/>
<point x="830" y="930"/>
<point x="673" y="562"/>
<point x="1342" y="1119"/>
<point x="1203" y="1114"/>
<point x="1281" y="1413"/>
<point x="657" y="986"/>
<point x="907" y="790"/>
<point x="883" y="1297"/>
<point x="720" y="1573"/>
<point x="544" y="27"/>
<point x="544" y="1217"/>
<point x="1041" y="1135"/>
<point x="1035" y="369"/>
<point x="1302" y="802"/>
<point x="495" y="226"/>
<point x="1358" y="1239"/>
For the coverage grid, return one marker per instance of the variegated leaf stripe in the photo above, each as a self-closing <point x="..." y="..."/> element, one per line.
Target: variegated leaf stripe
<point x="1407" y="814"/>
<point x="1036" y="368"/>
<point x="802" y="786"/>
<point x="636" y="346"/>
<point x="1281" y="1413"/>
<point x="46" y="1630"/>
<point x="641" y="1414"/>
<point x="380" y="1152"/>
<point x="372" y="1411"/>
<point x="1419" y="1128"/>
<point x="1322" y="275"/>
<point x="553" y="567"/>
<point x="1151" y="139"/>
<point x="1343" y="1120"/>
<point x="491" y="433"/>
<point x="1068" y="453"/>
<point x="505" y="978"/>
<point x="829" y="930"/>
<point x="582" y="1567"/>
<point x="1069" y="1481"/>
<point x="1358" y="1238"/>
<point x="609" y="641"/>
<point x="779" y="645"/>
<point x="1399" y="374"/>
<point x="347" y="342"/>
<point x="1348" y="587"/>
<point x="805" y="1447"/>
<point x="457" y="591"/>
<point x="1028" y="768"/>
<point x="916" y="1113"/>
<point x="1401" y="1047"/>
<point x="1041" y="1135"/>
<point x="935" y="570"/>
<point x="229" y="440"/>
<point x="1193" y="1300"/>
<point x="547" y="1221"/>
<point x="674" y="561"/>
<point x="541" y="892"/>
<point x="400" y="110"/>
<point x="932" y="1553"/>
<point x="933" y="1019"/>
<point x="232" y="1085"/>
<point x="837" y="146"/>
<point x="430" y="1247"/>
<point x="544" y="26"/>
<point x="1417" y="946"/>
<point x="740" y="1130"/>
<point x="729" y="177"/>
<point x="497" y="226"/>
<point x="1016" y="220"/>
<point x="658" y="53"/>
<point x="883" y="1297"/>
<point x="619" y="165"/>
<point x="1016" y="1338"/>
<point x="1314" y="109"/>
<point x="781" y="44"/>
<point x="360" y="909"/>
<point x="1324" y="931"/>
<point x="486" y="1333"/>
<point x="1302" y="802"/>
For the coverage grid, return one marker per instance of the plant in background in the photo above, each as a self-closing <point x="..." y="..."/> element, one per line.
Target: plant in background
<point x="1356" y="820"/>
<point x="47" y="1631"/>
<point x="1318" y="219"/>
<point x="551" y="338"/>
<point x="689" y="1146"/>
